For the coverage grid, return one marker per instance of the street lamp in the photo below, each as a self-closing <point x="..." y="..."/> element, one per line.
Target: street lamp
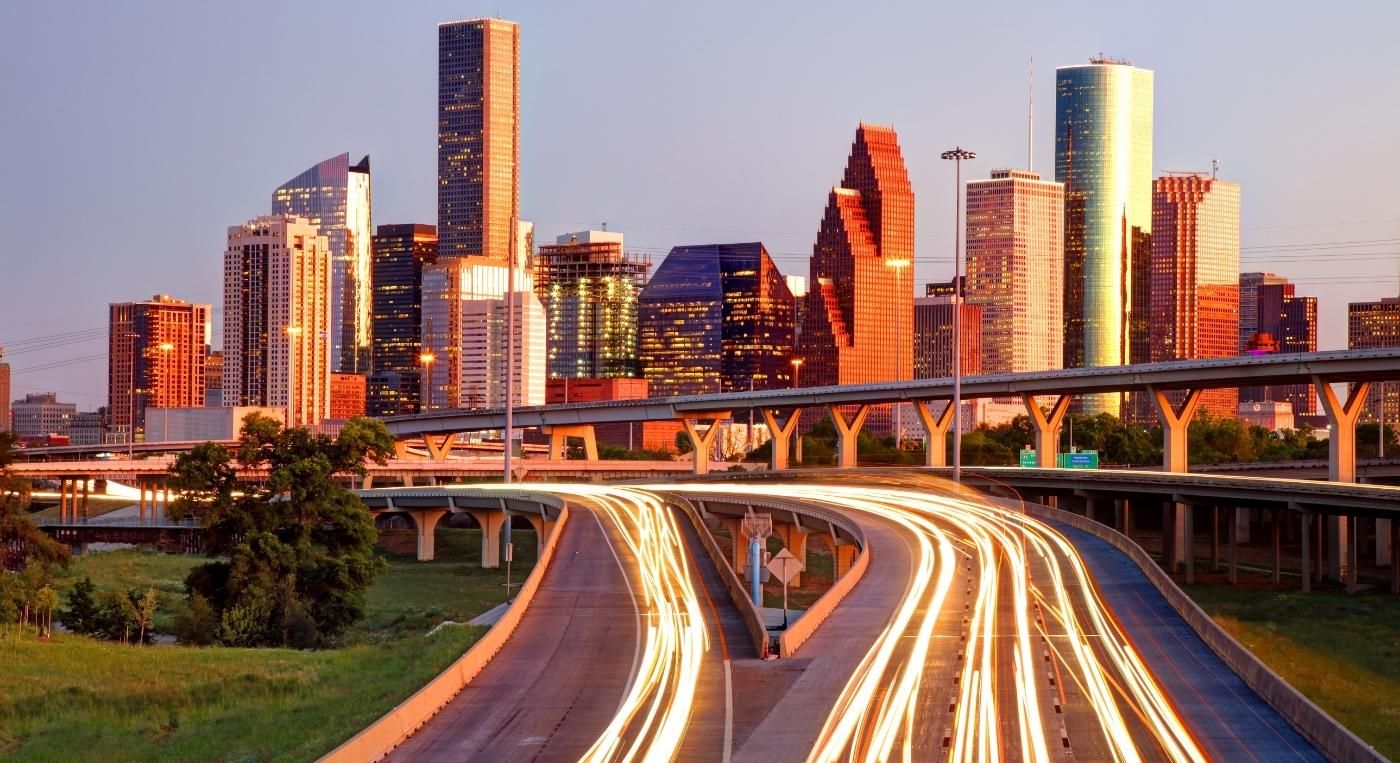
<point x="899" y="265"/>
<point x="426" y="360"/>
<point x="796" y="369"/>
<point x="165" y="348"/>
<point x="957" y="155"/>
<point x="294" y="332"/>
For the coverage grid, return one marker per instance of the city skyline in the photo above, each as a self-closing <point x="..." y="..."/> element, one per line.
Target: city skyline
<point x="777" y="164"/>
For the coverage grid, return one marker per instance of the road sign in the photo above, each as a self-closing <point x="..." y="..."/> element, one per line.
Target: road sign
<point x="784" y="566"/>
<point x="1083" y="459"/>
<point x="1028" y="459"/>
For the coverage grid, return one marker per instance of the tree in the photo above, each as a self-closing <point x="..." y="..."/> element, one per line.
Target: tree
<point x="45" y="600"/>
<point x="145" y="610"/>
<point x="196" y="623"/>
<point x="82" y="612"/>
<point x="119" y="615"/>
<point x="297" y="550"/>
<point x="20" y="541"/>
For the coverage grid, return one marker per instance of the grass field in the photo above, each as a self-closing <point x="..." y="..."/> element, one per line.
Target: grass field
<point x="75" y="697"/>
<point x="1342" y="652"/>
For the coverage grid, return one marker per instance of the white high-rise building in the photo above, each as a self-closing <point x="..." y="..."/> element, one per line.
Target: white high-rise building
<point x="1015" y="270"/>
<point x="277" y="318"/>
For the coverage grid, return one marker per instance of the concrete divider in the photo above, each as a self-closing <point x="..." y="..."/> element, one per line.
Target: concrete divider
<point x="753" y="619"/>
<point x="1330" y="737"/>
<point x="381" y="737"/>
<point x="802" y="629"/>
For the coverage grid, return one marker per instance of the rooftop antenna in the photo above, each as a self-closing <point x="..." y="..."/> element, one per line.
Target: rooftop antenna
<point x="605" y="225"/>
<point x="1214" y="168"/>
<point x="1030" y="118"/>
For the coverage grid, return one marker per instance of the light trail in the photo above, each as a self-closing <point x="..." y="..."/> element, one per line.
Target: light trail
<point x="1018" y="562"/>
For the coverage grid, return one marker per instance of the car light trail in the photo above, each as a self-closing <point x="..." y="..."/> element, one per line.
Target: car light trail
<point x="1017" y="560"/>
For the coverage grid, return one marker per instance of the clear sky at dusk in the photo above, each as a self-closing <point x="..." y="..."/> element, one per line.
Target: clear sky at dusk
<point x="134" y="133"/>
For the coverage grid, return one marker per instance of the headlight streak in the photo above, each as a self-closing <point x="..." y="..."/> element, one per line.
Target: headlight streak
<point x="874" y="715"/>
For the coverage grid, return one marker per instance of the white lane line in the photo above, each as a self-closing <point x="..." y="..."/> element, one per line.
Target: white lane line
<point x="636" y="612"/>
<point x="728" y="711"/>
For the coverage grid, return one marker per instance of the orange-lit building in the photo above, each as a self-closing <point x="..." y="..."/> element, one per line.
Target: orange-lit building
<point x="1195" y="275"/>
<point x="347" y="396"/>
<point x="933" y="337"/>
<point x="858" y="318"/>
<point x="1371" y="326"/>
<point x="1273" y="318"/>
<point x="651" y="435"/>
<point x="156" y="358"/>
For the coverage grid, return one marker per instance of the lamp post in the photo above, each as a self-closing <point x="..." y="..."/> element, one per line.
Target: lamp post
<point x="426" y="361"/>
<point x="899" y="265"/>
<point x="796" y="369"/>
<point x="294" y="335"/>
<point x="165" y="349"/>
<point x="957" y="155"/>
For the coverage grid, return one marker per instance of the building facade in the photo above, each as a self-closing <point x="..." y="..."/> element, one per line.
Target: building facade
<point x="277" y="318"/>
<point x="1015" y="270"/>
<point x="933" y="337"/>
<point x="1103" y="156"/>
<point x="335" y="196"/>
<point x="478" y="137"/>
<point x="400" y="253"/>
<point x="858" y="320"/>
<point x="157" y="351"/>
<point x="589" y="288"/>
<point x="1370" y="326"/>
<point x="1195" y="275"/>
<point x="214" y="378"/>
<point x="716" y="318"/>
<point x="1249" y="304"/>
<point x="1270" y="306"/>
<point x="347" y="396"/>
<point x="39" y="415"/>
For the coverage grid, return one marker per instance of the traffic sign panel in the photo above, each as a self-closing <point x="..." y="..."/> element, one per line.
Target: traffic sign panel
<point x="785" y="566"/>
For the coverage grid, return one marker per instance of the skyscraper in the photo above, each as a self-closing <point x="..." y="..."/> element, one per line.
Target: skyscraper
<point x="277" y="318"/>
<point x="335" y="197"/>
<point x="400" y="253"/>
<point x="1015" y="270"/>
<point x="156" y="357"/>
<point x="1103" y="156"/>
<point x="933" y="337"/>
<point x="1291" y="321"/>
<point x="1195" y="275"/>
<point x="1249" y="303"/>
<point x="1376" y="325"/>
<point x="589" y="290"/>
<point x="715" y="318"/>
<point x="858" y="321"/>
<point x="478" y="137"/>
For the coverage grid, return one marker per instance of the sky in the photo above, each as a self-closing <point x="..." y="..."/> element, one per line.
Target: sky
<point x="133" y="134"/>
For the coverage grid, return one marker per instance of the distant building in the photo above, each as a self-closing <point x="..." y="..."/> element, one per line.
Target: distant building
<point x="858" y="318"/>
<point x="1371" y="326"/>
<point x="157" y="352"/>
<point x="204" y="424"/>
<point x="1015" y="269"/>
<point x="653" y="435"/>
<point x="214" y="378"/>
<point x="1249" y="305"/>
<point x="716" y="318"/>
<point x="4" y="393"/>
<point x="589" y="288"/>
<point x="347" y="396"/>
<point x="277" y="318"/>
<point x="933" y="338"/>
<point x="334" y="196"/>
<point x="400" y="253"/>
<point x="39" y="415"/>
<point x="1103" y="156"/>
<point x="1274" y="416"/>
<point x="86" y="428"/>
<point x="1195" y="276"/>
<point x="1269" y="306"/>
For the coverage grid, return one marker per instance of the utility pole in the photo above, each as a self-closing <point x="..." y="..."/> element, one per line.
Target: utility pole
<point x="957" y="155"/>
<point x="510" y="359"/>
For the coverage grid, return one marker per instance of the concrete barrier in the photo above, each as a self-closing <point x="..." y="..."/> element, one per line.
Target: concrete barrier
<point x="753" y="619"/>
<point x="381" y="737"/>
<point x="1330" y="737"/>
<point x="802" y="629"/>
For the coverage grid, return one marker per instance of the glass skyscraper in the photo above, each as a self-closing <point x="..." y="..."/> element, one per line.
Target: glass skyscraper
<point x="1103" y="156"/>
<point x="589" y="289"/>
<point x="400" y="252"/>
<point x="478" y="137"/>
<point x="335" y="196"/>
<point x="715" y="318"/>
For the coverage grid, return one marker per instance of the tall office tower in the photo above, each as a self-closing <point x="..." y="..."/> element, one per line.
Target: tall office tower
<point x="156" y="357"/>
<point x="335" y="197"/>
<point x="465" y="322"/>
<point x="1103" y="156"/>
<point x="1015" y="270"/>
<point x="1291" y="321"/>
<point x="277" y="318"/>
<point x="589" y="290"/>
<point x="1376" y="325"/>
<point x="933" y="338"/>
<point x="4" y="393"/>
<point x="716" y="318"/>
<point x="400" y="253"/>
<point x="858" y="320"/>
<point x="1195" y="275"/>
<point x="39" y="415"/>
<point x="214" y="379"/>
<point x="478" y="137"/>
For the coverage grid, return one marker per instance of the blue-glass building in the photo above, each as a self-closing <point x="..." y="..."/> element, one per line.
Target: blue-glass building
<point x="716" y="318"/>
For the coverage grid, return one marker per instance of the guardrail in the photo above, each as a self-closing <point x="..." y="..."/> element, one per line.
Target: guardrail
<point x="381" y="737"/>
<point x="1330" y="737"/>
<point x="753" y="620"/>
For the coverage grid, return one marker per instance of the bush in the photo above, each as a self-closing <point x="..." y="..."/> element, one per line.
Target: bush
<point x="82" y="613"/>
<point x="196" y="623"/>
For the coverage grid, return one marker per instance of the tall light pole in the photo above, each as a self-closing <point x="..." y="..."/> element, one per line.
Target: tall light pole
<point x="899" y="265"/>
<point x="293" y="339"/>
<point x="165" y="349"/>
<point x="796" y="369"/>
<point x="510" y="356"/>
<point x="957" y="155"/>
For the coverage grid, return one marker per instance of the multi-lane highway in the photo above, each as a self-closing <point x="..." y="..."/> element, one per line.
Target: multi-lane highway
<point x="978" y="634"/>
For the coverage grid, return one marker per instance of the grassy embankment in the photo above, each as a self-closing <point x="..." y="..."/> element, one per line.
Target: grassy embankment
<point x="80" y="698"/>
<point x="1342" y="652"/>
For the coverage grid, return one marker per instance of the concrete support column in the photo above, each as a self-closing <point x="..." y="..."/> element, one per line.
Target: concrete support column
<point x="367" y="483"/>
<point x="702" y="444"/>
<point x="1306" y="556"/>
<point x="1242" y="524"/>
<point x="936" y="429"/>
<point x="62" y="501"/>
<point x="1174" y="534"/>
<point x="1384" y="545"/>
<point x="1394" y="563"/>
<point x="1234" y="538"/>
<point x="544" y="527"/>
<point x="739" y="557"/>
<point x="426" y="522"/>
<point x="439" y="445"/>
<point x="843" y="557"/>
<point x="1215" y="539"/>
<point x="794" y="538"/>
<point x="1175" y="423"/>
<point x="781" y="432"/>
<point x="1341" y="447"/>
<point x="86" y="482"/>
<point x="1350" y="572"/>
<point x="1190" y="546"/>
<point x="401" y="449"/>
<point x="1047" y="428"/>
<point x="1275" y="529"/>
<point x="491" y="523"/>
<point x="848" y="434"/>
<point x="559" y="441"/>
<point x="141" y="500"/>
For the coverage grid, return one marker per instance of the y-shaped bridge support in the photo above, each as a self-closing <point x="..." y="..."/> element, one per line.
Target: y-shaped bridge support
<point x="1341" y="465"/>
<point x="1047" y="428"/>
<point x="702" y="443"/>
<point x="848" y="434"/>
<point x="781" y="432"/>
<point x="936" y="429"/>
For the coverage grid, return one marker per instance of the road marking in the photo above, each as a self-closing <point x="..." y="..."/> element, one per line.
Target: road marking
<point x="728" y="712"/>
<point x="636" y="612"/>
